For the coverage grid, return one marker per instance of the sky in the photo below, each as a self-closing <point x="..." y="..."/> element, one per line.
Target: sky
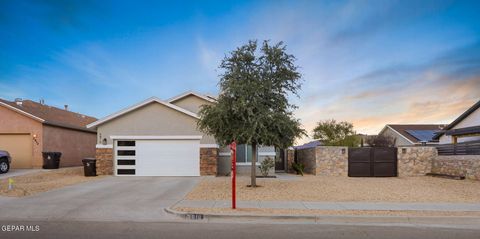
<point x="367" y="62"/>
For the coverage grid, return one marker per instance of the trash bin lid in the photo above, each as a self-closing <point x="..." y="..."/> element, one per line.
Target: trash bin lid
<point x="89" y="159"/>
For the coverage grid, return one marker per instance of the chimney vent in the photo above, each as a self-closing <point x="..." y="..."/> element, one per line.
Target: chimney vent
<point x="42" y="101"/>
<point x="66" y="107"/>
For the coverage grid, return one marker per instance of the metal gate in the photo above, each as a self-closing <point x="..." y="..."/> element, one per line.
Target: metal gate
<point x="372" y="162"/>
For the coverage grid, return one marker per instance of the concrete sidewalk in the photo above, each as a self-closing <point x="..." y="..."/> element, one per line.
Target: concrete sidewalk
<point x="468" y="207"/>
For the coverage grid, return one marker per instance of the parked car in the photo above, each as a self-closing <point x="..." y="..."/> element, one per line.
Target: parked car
<point x="5" y="161"/>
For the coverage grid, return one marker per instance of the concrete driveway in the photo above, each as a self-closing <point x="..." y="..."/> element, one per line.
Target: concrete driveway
<point x="110" y="199"/>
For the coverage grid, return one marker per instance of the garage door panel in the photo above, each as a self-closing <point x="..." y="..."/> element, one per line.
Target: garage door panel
<point x="20" y="148"/>
<point x="166" y="158"/>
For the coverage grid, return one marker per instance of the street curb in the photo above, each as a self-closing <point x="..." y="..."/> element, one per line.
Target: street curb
<point x="433" y="221"/>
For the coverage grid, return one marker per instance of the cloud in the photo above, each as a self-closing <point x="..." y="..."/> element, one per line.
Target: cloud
<point x="433" y="92"/>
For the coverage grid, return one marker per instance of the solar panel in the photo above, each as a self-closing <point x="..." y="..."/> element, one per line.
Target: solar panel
<point x="422" y="135"/>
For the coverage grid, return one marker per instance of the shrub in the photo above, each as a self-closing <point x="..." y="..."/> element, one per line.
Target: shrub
<point x="298" y="167"/>
<point x="266" y="165"/>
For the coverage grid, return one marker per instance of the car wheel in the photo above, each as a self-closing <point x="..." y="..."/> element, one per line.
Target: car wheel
<point x="4" y="166"/>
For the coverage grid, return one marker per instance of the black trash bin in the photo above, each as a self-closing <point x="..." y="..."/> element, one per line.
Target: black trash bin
<point x="51" y="160"/>
<point x="89" y="167"/>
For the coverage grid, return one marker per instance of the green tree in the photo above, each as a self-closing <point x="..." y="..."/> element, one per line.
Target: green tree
<point x="334" y="133"/>
<point x="253" y="106"/>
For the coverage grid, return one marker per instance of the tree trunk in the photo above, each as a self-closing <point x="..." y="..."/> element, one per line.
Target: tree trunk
<point x="253" y="182"/>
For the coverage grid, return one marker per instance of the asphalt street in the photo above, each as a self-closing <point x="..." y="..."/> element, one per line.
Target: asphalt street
<point x="93" y="230"/>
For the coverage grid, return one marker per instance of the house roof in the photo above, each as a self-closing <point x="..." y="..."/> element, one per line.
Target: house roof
<point x="403" y="130"/>
<point x="472" y="130"/>
<point x="208" y="98"/>
<point x="311" y="144"/>
<point x="50" y="115"/>
<point x="460" y="118"/>
<point x="139" y="105"/>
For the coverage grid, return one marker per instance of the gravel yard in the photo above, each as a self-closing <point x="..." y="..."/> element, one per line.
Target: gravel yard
<point x="34" y="183"/>
<point x="341" y="189"/>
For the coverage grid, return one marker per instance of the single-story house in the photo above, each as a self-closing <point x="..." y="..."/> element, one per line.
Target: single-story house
<point x="465" y="128"/>
<point x="28" y="128"/>
<point x="412" y="134"/>
<point x="160" y="138"/>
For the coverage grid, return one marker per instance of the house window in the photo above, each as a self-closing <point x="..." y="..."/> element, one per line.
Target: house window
<point x="244" y="153"/>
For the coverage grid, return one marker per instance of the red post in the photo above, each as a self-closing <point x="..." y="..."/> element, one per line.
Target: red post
<point x="233" y="148"/>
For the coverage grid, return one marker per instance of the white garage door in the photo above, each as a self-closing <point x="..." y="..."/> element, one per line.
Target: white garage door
<point x="158" y="157"/>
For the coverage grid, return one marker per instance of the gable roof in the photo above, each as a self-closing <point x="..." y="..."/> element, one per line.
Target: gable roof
<point x="50" y="115"/>
<point x="460" y="118"/>
<point x="139" y="105"/>
<point x="402" y="130"/>
<point x="208" y="98"/>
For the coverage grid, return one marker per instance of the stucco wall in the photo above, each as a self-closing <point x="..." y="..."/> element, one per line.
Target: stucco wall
<point x="458" y="165"/>
<point x="73" y="144"/>
<point x="13" y="122"/>
<point x="152" y="119"/>
<point x="415" y="161"/>
<point x="191" y="103"/>
<point x="472" y="120"/>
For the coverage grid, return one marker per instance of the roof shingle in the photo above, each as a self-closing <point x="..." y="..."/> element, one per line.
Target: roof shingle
<point x="53" y="116"/>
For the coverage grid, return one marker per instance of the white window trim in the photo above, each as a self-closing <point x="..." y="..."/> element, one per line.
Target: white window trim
<point x="166" y="137"/>
<point x="104" y="146"/>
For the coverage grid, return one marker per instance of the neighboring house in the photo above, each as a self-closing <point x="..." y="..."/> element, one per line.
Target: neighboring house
<point x="160" y="138"/>
<point x="28" y="128"/>
<point x="412" y="134"/>
<point x="311" y="144"/>
<point x="463" y="129"/>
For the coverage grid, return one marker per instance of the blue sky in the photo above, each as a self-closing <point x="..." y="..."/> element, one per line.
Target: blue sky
<point x="367" y="62"/>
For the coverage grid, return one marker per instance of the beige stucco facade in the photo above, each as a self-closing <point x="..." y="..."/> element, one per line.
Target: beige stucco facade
<point x="191" y="103"/>
<point x="153" y="119"/>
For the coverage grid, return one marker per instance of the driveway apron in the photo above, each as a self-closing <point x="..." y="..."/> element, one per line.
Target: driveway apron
<point x="108" y="199"/>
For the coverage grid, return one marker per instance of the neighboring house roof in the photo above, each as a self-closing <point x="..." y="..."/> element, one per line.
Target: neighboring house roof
<point x="460" y="118"/>
<point x="208" y="98"/>
<point x="50" y="115"/>
<point x="311" y="144"/>
<point x="415" y="133"/>
<point x="141" y="104"/>
<point x="464" y="131"/>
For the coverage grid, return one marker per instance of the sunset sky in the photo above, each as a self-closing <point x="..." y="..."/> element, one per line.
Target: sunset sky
<point x="367" y="62"/>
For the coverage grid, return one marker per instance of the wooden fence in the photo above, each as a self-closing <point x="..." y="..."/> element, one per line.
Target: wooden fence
<point x="467" y="148"/>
